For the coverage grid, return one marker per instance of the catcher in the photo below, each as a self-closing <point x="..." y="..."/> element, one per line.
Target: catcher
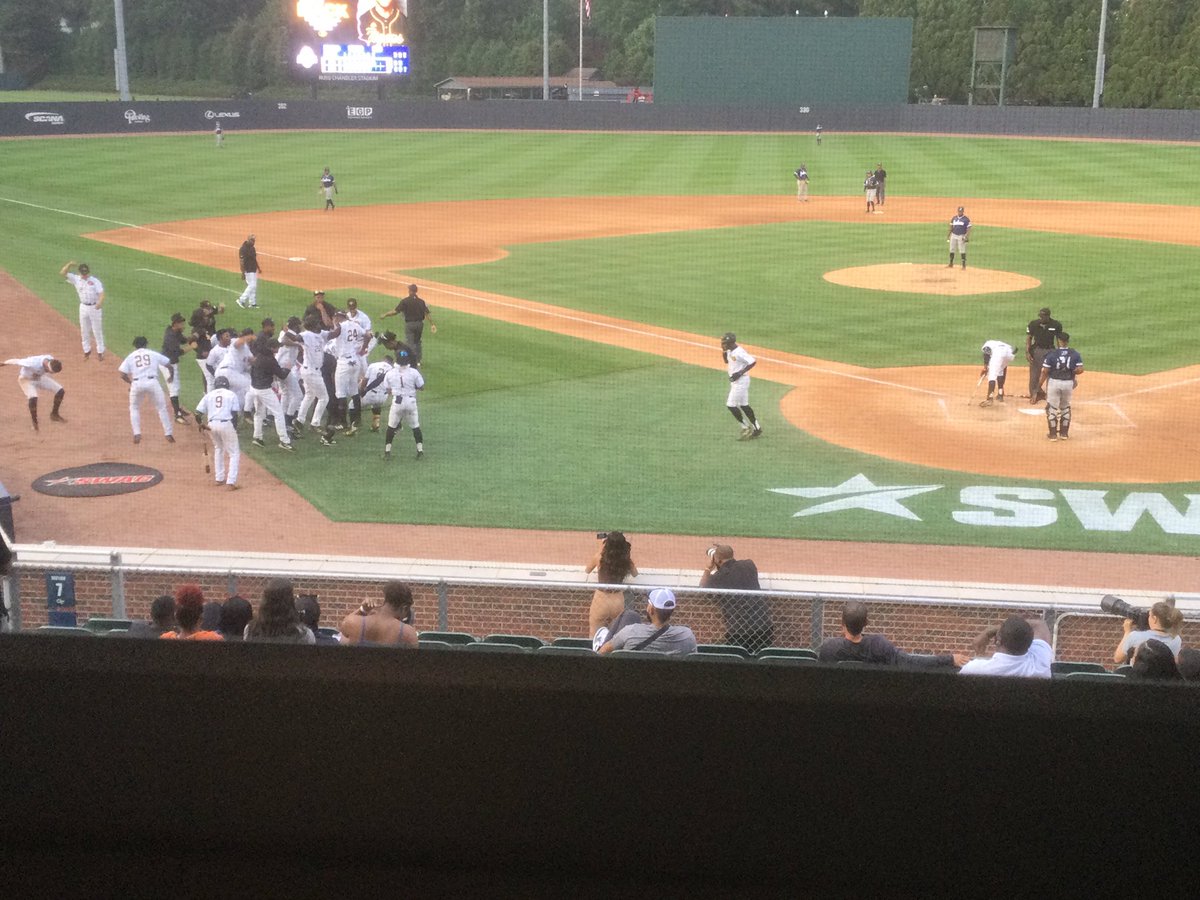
<point x="203" y="323"/>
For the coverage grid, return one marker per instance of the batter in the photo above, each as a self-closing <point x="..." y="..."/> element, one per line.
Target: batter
<point x="996" y="357"/>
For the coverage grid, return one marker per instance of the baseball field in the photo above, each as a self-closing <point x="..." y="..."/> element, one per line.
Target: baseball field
<point x="580" y="284"/>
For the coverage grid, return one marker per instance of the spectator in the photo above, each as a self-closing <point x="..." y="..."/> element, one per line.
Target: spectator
<point x="1165" y="624"/>
<point x="1189" y="664"/>
<point x="236" y="614"/>
<point x="1154" y="660"/>
<point x="658" y="634"/>
<point x="875" y="649"/>
<point x="277" y="621"/>
<point x="1022" y="650"/>
<point x="613" y="563"/>
<point x="210" y="616"/>
<point x="189" y="607"/>
<point x="389" y="623"/>
<point x="162" y="619"/>
<point x="747" y="618"/>
<point x="310" y="616"/>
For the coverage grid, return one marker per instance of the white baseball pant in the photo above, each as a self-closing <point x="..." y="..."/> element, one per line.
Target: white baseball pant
<point x="208" y="376"/>
<point x="266" y="400"/>
<point x="143" y="387"/>
<point x="173" y="379"/>
<point x="346" y="376"/>
<point x="958" y="243"/>
<point x="291" y="393"/>
<point x="30" y="386"/>
<point x="91" y="326"/>
<point x="316" y="393"/>
<point x="227" y="452"/>
<point x="739" y="392"/>
<point x="250" y="294"/>
<point x="404" y="409"/>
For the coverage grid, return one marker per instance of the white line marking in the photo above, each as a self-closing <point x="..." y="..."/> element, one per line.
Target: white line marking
<point x="1120" y="412"/>
<point x="1149" y="390"/>
<point x="215" y="287"/>
<point x="945" y="409"/>
<point x="1030" y="412"/>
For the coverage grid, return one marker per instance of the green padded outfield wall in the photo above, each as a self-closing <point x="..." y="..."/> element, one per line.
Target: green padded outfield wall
<point x="784" y="61"/>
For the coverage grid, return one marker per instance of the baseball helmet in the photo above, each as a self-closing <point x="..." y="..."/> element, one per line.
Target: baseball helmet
<point x="402" y="358"/>
<point x="728" y="340"/>
<point x="221" y="382"/>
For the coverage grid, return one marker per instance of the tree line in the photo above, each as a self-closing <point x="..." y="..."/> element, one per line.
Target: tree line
<point x="1153" y="55"/>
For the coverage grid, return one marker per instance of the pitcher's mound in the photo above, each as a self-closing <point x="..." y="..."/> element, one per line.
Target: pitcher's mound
<point x="914" y="278"/>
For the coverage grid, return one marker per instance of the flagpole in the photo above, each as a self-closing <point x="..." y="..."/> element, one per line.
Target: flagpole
<point x="580" y="49"/>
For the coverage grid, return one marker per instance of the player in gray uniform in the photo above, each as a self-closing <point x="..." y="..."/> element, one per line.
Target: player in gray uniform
<point x="1060" y="369"/>
<point x="958" y="235"/>
<point x="802" y="183"/>
<point x="329" y="188"/>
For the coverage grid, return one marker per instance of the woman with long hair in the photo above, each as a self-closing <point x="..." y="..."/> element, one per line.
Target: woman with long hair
<point x="1165" y="624"/>
<point x="613" y="563"/>
<point x="277" y="620"/>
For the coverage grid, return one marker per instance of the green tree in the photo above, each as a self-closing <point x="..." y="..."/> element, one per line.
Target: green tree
<point x="31" y="36"/>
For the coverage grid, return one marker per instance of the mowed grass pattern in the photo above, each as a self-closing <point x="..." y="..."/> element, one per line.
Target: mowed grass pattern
<point x="527" y="429"/>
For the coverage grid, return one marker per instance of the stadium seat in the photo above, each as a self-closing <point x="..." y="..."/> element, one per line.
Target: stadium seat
<point x="779" y="652"/>
<point x="710" y="656"/>
<point x="65" y="630"/>
<point x="774" y="660"/>
<point x="423" y="644"/>
<point x="585" y="643"/>
<point x="448" y="637"/>
<point x="853" y="663"/>
<point x="1094" y="676"/>
<point x="528" y="641"/>
<point x="329" y="632"/>
<point x="1123" y="670"/>
<point x="727" y="649"/>
<point x="556" y="650"/>
<point x="640" y="654"/>
<point x="494" y="647"/>
<point x="1066" y="668"/>
<point x="102" y="625"/>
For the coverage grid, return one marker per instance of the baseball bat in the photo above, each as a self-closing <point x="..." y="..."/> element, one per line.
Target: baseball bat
<point x="204" y="448"/>
<point x="975" y="389"/>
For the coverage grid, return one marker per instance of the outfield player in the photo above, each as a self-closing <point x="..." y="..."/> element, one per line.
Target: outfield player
<point x="264" y="395"/>
<point x="958" y="235"/>
<point x="403" y="381"/>
<point x="373" y="392"/>
<point x="220" y="135"/>
<point x="349" y="345"/>
<point x="174" y="345"/>
<point x="316" y="393"/>
<point x="140" y="371"/>
<point x="996" y="357"/>
<point x="740" y="362"/>
<point x="217" y="413"/>
<point x="91" y="302"/>
<point x="248" y="263"/>
<point x="33" y="378"/>
<point x="1060" y="369"/>
<point x="802" y="183"/>
<point x="329" y="187"/>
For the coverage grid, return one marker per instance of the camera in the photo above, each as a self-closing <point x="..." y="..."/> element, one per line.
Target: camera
<point x="602" y="535"/>
<point x="1118" y="607"/>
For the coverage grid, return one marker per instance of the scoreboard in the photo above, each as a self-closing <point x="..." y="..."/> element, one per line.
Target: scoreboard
<point x="348" y="40"/>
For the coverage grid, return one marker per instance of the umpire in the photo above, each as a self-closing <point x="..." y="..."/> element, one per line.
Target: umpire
<point x="1039" y="341"/>
<point x="415" y="312"/>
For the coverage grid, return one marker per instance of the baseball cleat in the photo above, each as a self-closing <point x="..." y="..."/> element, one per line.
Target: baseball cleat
<point x="258" y="442"/>
<point x="170" y="438"/>
<point x="219" y="484"/>
<point x="1052" y="436"/>
<point x="756" y="433"/>
<point x="351" y="431"/>
<point x="240" y="302"/>
<point x="87" y="354"/>
<point x="137" y="438"/>
<point x="420" y="453"/>
<point x="1064" y="436"/>
<point x="374" y="429"/>
<point x="288" y="447"/>
<point x="327" y="441"/>
<point x="387" y="455"/>
<point x="987" y="402"/>
<point x="55" y="417"/>
<point x="100" y="356"/>
<point x="233" y="487"/>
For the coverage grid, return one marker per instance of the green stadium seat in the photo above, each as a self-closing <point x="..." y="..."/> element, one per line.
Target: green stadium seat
<point x="1094" y="676"/>
<point x="494" y="647"/>
<point x="773" y="660"/>
<point x="710" y="656"/>
<point x="640" y="654"/>
<point x="1066" y="668"/>
<point x="556" y="650"/>
<point x="423" y="644"/>
<point x="448" y="637"/>
<point x="794" y="652"/>
<point x="101" y="625"/>
<point x="724" y="649"/>
<point x="1123" y="670"/>
<point x="585" y="643"/>
<point x="528" y="641"/>
<point x="64" y="630"/>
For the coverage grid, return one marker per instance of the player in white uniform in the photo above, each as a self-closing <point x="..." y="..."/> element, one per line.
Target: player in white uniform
<point x="373" y="390"/>
<point x="996" y="357"/>
<point x="288" y="357"/>
<point x="402" y="382"/>
<point x="33" y="378"/>
<point x="221" y="407"/>
<point x="216" y="353"/>
<point x="349" y="346"/>
<point x="91" y="300"/>
<point x="363" y="321"/>
<point x="140" y="372"/>
<point x="739" y="362"/>
<point x="316" y="394"/>
<point x="235" y="365"/>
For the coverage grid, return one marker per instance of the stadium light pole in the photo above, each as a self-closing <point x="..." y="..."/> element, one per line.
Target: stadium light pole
<point x="1099" y="88"/>
<point x="119" y="59"/>
<point x="545" y="49"/>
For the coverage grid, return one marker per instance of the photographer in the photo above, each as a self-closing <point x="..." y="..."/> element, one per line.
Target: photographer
<point x="613" y="563"/>
<point x="1165" y="622"/>
<point x="747" y="618"/>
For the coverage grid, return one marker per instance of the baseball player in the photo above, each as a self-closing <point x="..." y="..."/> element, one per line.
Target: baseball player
<point x="174" y="345"/>
<point x="328" y="187"/>
<point x="996" y="357"/>
<point x="802" y="183"/>
<point x="818" y="135"/>
<point x="220" y="135"/>
<point x="958" y="235"/>
<point x="235" y="366"/>
<point x="871" y="188"/>
<point x="203" y="323"/>
<point x="1060" y="369"/>
<point x="362" y="320"/>
<point x="33" y="378"/>
<point x="140" y="371"/>
<point x="740" y="362"/>
<point x="91" y="301"/>
<point x="217" y="413"/>
<point x="316" y="393"/>
<point x="288" y="357"/>
<point x="248" y="262"/>
<point x="373" y="391"/>
<point x="349" y="345"/>
<point x="264" y="395"/>
<point x="402" y="382"/>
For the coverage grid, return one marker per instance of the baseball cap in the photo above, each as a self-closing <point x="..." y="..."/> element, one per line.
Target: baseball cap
<point x="960" y="209"/>
<point x="1063" y="336"/>
<point x="661" y="598"/>
<point x="177" y="317"/>
<point x="1044" y="309"/>
<point x="318" y="293"/>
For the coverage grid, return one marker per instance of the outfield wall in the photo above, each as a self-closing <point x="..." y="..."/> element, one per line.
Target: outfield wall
<point x="141" y="117"/>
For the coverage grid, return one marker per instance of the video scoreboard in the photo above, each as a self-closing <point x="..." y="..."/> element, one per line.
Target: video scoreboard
<point x="349" y="40"/>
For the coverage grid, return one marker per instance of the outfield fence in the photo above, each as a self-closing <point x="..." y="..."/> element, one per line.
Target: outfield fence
<point x="552" y="601"/>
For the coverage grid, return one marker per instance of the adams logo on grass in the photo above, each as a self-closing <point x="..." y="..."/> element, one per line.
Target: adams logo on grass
<point x="97" y="480"/>
<point x="999" y="506"/>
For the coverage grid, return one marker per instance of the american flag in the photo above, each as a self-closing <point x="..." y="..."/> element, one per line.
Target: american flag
<point x="587" y="9"/>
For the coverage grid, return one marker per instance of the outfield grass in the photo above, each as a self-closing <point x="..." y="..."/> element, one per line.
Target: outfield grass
<point x="527" y="429"/>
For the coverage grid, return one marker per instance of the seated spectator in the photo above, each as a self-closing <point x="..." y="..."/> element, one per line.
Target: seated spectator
<point x="162" y="619"/>
<point x="277" y="621"/>
<point x="613" y="563"/>
<point x="389" y="623"/>
<point x="210" y="617"/>
<point x="1189" y="664"/>
<point x="189" y="607"/>
<point x="747" y="617"/>
<point x="236" y="613"/>
<point x="310" y="616"/>
<point x="658" y="634"/>
<point x="1165" y="624"/>
<point x="1022" y="650"/>
<point x="1153" y="660"/>
<point x="875" y="649"/>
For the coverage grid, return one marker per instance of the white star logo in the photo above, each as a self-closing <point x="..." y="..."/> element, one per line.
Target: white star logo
<point x="860" y="493"/>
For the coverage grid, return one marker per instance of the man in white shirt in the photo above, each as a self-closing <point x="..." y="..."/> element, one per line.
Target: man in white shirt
<point x="1022" y="650"/>
<point x="91" y="299"/>
<point x="33" y="378"/>
<point x="140" y="371"/>
<point x="739" y="363"/>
